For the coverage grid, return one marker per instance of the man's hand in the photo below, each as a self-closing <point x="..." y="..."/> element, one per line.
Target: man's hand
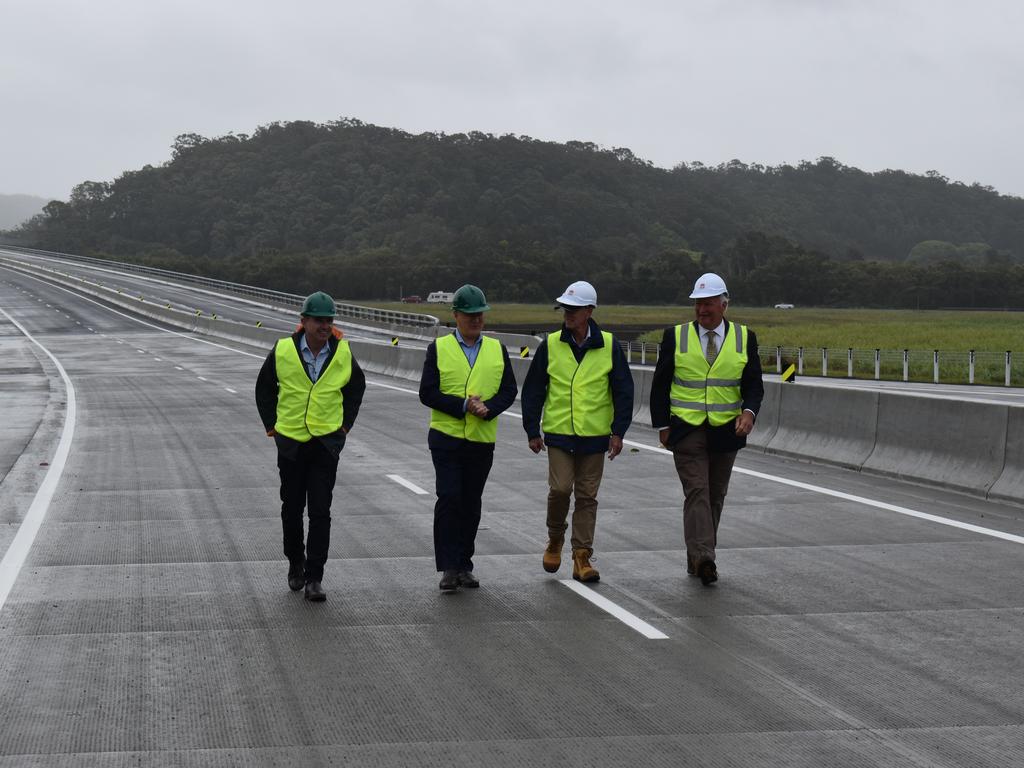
<point x="744" y="423"/>
<point x="271" y="432"/>
<point x="537" y="444"/>
<point x="614" y="446"/>
<point x="663" y="437"/>
<point x="476" y="407"/>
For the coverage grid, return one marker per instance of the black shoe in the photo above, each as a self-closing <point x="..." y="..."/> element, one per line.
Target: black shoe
<point x="315" y="593"/>
<point x="449" y="581"/>
<point x="468" y="580"/>
<point x="295" y="577"/>
<point x="691" y="570"/>
<point x="708" y="572"/>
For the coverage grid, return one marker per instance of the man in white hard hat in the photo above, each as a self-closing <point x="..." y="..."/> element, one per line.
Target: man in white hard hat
<point x="580" y="380"/>
<point x="705" y="395"/>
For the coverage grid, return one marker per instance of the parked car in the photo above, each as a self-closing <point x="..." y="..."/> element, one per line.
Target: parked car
<point x="414" y="299"/>
<point x="784" y="306"/>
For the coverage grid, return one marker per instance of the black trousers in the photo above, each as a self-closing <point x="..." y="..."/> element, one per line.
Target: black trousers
<point x="307" y="480"/>
<point x="461" y="474"/>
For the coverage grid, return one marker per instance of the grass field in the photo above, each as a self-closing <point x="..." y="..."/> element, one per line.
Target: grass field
<point x="810" y="328"/>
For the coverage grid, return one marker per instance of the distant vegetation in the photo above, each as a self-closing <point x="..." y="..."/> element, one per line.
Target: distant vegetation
<point x="368" y="212"/>
<point x="17" y="209"/>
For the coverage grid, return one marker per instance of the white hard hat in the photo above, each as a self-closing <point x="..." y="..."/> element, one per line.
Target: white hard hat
<point x="579" y="294"/>
<point x="709" y="284"/>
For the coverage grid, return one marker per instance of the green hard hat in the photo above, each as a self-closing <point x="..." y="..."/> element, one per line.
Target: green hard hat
<point x="470" y="299"/>
<point x="318" y="304"/>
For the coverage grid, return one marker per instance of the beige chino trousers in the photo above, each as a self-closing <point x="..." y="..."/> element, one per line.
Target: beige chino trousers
<point x="579" y="475"/>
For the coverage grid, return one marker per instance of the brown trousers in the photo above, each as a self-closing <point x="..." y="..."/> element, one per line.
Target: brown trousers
<point x="705" y="479"/>
<point x="572" y="473"/>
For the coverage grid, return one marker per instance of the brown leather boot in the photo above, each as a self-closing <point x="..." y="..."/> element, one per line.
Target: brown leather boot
<point x="553" y="554"/>
<point x="582" y="570"/>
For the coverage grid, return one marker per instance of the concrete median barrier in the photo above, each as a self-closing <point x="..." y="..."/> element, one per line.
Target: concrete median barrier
<point x="767" y="418"/>
<point x="642" y="396"/>
<point x="375" y="358"/>
<point x="955" y="444"/>
<point x="1010" y="483"/>
<point x="836" y="427"/>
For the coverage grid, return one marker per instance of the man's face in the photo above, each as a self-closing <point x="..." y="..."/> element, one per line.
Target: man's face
<point x="470" y="324"/>
<point x="576" y="318"/>
<point x="709" y="312"/>
<point x="317" y="329"/>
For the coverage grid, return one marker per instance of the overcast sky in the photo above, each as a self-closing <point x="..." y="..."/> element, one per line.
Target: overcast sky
<point x="92" y="88"/>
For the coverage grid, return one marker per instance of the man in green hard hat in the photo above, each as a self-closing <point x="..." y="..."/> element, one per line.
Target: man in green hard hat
<point x="308" y="393"/>
<point x="467" y="381"/>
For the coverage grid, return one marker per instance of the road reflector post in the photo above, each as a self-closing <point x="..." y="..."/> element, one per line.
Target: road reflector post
<point x="524" y="351"/>
<point x="824" y="362"/>
<point x="789" y="375"/>
<point x="1007" y="367"/>
<point x="394" y="341"/>
<point x="778" y="359"/>
<point x="878" y="363"/>
<point x="849" y="362"/>
<point x="970" y="367"/>
<point x="935" y="366"/>
<point x="800" y="360"/>
<point x="906" y="365"/>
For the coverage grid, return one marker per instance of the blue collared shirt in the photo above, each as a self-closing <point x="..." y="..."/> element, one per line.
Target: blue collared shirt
<point x="314" y="363"/>
<point x="470" y="351"/>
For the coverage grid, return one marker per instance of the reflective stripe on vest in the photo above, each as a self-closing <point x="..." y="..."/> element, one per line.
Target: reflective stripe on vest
<point x="579" y="400"/>
<point x="702" y="392"/>
<point x="306" y="410"/>
<point x="458" y="379"/>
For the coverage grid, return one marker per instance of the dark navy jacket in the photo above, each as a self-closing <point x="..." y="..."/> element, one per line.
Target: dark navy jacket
<point x="535" y="392"/>
<point x="720" y="439"/>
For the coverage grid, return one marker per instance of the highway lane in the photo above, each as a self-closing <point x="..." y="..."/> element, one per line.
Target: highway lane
<point x="151" y="622"/>
<point x="248" y="312"/>
<point x="182" y="296"/>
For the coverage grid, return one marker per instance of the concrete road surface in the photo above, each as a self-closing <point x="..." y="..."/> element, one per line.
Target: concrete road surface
<point x="150" y="622"/>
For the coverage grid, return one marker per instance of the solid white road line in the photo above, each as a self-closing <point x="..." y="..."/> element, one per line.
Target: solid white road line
<point x="820" y="489"/>
<point x="17" y="552"/>
<point x="232" y="391"/>
<point x="406" y="484"/>
<point x="627" y="618"/>
<point x="859" y="499"/>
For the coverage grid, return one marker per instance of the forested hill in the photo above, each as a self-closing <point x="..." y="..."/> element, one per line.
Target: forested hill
<point x="366" y="212"/>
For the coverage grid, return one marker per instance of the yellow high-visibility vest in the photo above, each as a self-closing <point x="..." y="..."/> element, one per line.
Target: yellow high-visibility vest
<point x="701" y="392"/>
<point x="461" y="380"/>
<point x="306" y="410"/>
<point x="579" y="400"/>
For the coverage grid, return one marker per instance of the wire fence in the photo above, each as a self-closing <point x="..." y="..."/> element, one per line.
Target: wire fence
<point x="938" y="366"/>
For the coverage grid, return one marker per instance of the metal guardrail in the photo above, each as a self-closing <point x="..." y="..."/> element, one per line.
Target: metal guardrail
<point x="383" y="317"/>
